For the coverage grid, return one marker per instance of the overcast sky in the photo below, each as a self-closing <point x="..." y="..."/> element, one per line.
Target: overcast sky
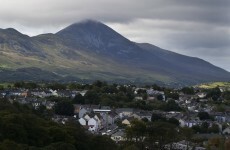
<point x="199" y="28"/>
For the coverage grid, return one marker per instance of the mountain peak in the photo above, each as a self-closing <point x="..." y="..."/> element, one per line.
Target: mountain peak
<point x="96" y="36"/>
<point x="10" y="31"/>
<point x="88" y="21"/>
<point x="83" y="26"/>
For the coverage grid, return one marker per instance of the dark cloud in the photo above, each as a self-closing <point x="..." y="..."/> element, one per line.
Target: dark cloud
<point x="52" y="11"/>
<point x="194" y="27"/>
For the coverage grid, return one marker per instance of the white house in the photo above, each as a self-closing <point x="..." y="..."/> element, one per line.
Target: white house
<point x="138" y="98"/>
<point x="182" y="122"/>
<point x="188" y="123"/>
<point x="83" y="121"/>
<point x="124" y="112"/>
<point x="127" y="121"/>
<point x="54" y="92"/>
<point x="100" y="120"/>
<point x="141" y="115"/>
<point x="220" y="118"/>
<point x="93" y="124"/>
<point x="191" y="123"/>
<point x="201" y="95"/>
<point x="83" y="92"/>
<point x="86" y="117"/>
<point x="118" y="136"/>
<point x="226" y="131"/>
<point x="46" y="93"/>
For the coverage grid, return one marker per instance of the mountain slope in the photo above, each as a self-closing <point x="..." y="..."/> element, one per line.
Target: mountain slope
<point x="190" y="66"/>
<point x="90" y="50"/>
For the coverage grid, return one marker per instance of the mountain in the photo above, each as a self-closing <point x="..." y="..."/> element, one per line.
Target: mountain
<point x="90" y="50"/>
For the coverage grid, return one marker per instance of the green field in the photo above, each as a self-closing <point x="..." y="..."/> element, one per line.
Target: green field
<point x="5" y="85"/>
<point x="214" y="84"/>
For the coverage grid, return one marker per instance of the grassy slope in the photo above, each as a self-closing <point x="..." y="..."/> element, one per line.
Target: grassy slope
<point x="214" y="84"/>
<point x="89" y="65"/>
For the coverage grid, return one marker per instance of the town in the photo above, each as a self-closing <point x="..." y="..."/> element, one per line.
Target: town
<point x="139" y="117"/>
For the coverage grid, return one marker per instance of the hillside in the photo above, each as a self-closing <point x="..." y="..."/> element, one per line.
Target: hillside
<point x="90" y="50"/>
<point x="211" y="85"/>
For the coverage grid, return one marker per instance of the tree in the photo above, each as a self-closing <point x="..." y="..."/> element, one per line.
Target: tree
<point x="78" y="99"/>
<point x="157" y="117"/>
<point x="60" y="146"/>
<point x="137" y="130"/>
<point x="131" y="147"/>
<point x="91" y="97"/>
<point x="145" y="96"/>
<point x="105" y="143"/>
<point x="109" y="89"/>
<point x="203" y="116"/>
<point x="204" y="127"/>
<point x="156" y="87"/>
<point x="220" y="108"/>
<point x="19" y="84"/>
<point x="56" y="86"/>
<point x="214" y="128"/>
<point x="160" y="97"/>
<point x="227" y="144"/>
<point x="22" y="129"/>
<point x="174" y="121"/>
<point x="216" y="143"/>
<point x="226" y="95"/>
<point x="214" y="93"/>
<point x="27" y="85"/>
<point x="172" y="95"/>
<point x="171" y="105"/>
<point x="72" y="86"/>
<point x="99" y="84"/>
<point x="31" y="85"/>
<point x="145" y="119"/>
<point x="1" y="87"/>
<point x="64" y="108"/>
<point x="187" y="134"/>
<point x="160" y="134"/>
<point x="196" y="129"/>
<point x="188" y="90"/>
<point x="11" y="145"/>
<point x="141" y="91"/>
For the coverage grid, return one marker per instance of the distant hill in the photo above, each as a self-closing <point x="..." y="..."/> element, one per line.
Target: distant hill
<point x="90" y="50"/>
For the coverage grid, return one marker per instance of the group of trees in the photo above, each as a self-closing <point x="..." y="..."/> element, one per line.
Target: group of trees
<point x="188" y="90"/>
<point x="159" y="118"/>
<point x="155" y="135"/>
<point x="214" y="93"/>
<point x="206" y="128"/>
<point x="100" y="93"/>
<point x="64" y="107"/>
<point x="218" y="143"/>
<point x="204" y="116"/>
<point x="111" y="94"/>
<point x="160" y="131"/>
<point x="123" y="96"/>
<point x="226" y="95"/>
<point x="23" y="128"/>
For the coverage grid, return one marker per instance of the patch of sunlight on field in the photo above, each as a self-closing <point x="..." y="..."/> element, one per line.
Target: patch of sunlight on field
<point x="215" y="84"/>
